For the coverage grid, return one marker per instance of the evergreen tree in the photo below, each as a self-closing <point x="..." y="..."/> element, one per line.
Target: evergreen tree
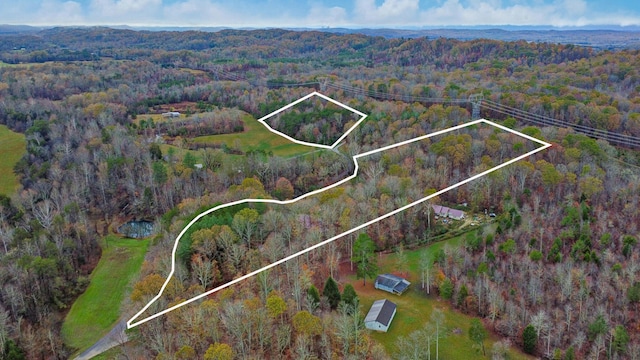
<point x="446" y="289"/>
<point x="570" y="354"/>
<point x="349" y="295"/>
<point x="332" y="292"/>
<point x="529" y="339"/>
<point x="364" y="257"/>
<point x="314" y="294"/>
<point x="620" y="339"/>
<point x="12" y="351"/>
<point x="189" y="161"/>
<point x="477" y="334"/>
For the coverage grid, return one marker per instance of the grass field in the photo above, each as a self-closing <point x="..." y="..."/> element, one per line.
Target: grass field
<point x="157" y="118"/>
<point x="256" y="137"/>
<point x="415" y="308"/>
<point x="12" y="147"/>
<point x="98" y="308"/>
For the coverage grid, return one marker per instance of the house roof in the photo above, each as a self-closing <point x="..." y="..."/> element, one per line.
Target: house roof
<point x="391" y="281"/>
<point x="388" y="280"/>
<point x="456" y="213"/>
<point x="381" y="311"/>
<point x="446" y="211"/>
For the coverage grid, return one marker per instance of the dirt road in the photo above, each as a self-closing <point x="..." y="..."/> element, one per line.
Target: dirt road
<point x="114" y="338"/>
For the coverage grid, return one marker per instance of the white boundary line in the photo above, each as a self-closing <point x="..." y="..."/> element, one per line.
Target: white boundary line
<point x="315" y="93"/>
<point x="131" y="323"/>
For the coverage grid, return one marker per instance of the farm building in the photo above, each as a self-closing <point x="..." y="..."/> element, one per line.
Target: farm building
<point x="391" y="283"/>
<point x="171" y="114"/>
<point x="380" y="315"/>
<point x="448" y="212"/>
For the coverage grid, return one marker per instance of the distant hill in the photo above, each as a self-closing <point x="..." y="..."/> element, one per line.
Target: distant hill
<point x="18" y="29"/>
<point x="96" y="38"/>
<point x="597" y="38"/>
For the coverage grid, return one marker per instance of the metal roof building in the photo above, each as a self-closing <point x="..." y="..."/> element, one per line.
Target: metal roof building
<point x="380" y="315"/>
<point x="391" y="283"/>
<point x="448" y="212"/>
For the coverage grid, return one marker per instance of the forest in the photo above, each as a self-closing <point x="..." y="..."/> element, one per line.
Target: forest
<point x="553" y="275"/>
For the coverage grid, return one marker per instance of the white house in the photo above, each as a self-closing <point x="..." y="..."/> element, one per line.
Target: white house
<point x="171" y="114"/>
<point x="380" y="315"/>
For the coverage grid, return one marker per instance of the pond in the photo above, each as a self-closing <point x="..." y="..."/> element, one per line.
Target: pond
<point x="137" y="229"/>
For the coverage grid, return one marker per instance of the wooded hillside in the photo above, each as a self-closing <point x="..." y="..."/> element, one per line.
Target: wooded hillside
<point x="561" y="257"/>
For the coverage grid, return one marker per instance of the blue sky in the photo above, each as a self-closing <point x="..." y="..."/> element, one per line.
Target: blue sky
<point x="320" y="13"/>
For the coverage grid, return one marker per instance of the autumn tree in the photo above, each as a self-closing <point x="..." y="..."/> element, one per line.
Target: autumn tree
<point x="401" y="258"/>
<point x="437" y="319"/>
<point x="219" y="351"/>
<point x="307" y="324"/>
<point x="276" y="306"/>
<point x="283" y="189"/>
<point x="245" y="223"/>
<point x="425" y="264"/>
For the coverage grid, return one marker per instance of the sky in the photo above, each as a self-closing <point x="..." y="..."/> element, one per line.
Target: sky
<point x="321" y="13"/>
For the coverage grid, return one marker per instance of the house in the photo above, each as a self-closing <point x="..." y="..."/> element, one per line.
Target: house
<point x="448" y="212"/>
<point x="440" y="210"/>
<point x="391" y="283"/>
<point x="456" y="214"/>
<point x="171" y="114"/>
<point x="380" y="315"/>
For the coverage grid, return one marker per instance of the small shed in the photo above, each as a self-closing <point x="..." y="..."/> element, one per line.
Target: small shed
<point x="171" y="114"/>
<point x="391" y="283"/>
<point x="380" y="315"/>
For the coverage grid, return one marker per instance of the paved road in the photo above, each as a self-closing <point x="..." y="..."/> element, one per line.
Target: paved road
<point x="114" y="338"/>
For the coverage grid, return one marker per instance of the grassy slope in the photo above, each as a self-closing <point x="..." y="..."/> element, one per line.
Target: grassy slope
<point x="257" y="137"/>
<point x="414" y="310"/>
<point x="98" y="308"/>
<point x="12" y="147"/>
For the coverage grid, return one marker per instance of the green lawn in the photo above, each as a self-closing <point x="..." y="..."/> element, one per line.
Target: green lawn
<point x="257" y="137"/>
<point x="98" y="308"/>
<point x="12" y="147"/>
<point x="414" y="311"/>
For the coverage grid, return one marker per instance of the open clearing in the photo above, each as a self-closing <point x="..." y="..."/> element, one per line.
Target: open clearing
<point x="12" y="147"/>
<point x="414" y="311"/>
<point x="256" y="137"/>
<point x="98" y="308"/>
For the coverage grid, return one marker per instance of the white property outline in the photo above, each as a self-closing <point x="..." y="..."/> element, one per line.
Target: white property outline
<point x="263" y="119"/>
<point x="131" y="323"/>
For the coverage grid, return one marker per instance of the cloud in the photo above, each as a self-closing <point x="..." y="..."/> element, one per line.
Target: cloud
<point x="47" y="12"/>
<point x="562" y="13"/>
<point x="320" y="15"/>
<point x="312" y="13"/>
<point x="131" y="12"/>
<point x="389" y="12"/>
<point x="198" y="12"/>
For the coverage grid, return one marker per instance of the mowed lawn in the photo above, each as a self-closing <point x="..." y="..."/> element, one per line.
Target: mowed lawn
<point x="95" y="312"/>
<point x="415" y="308"/>
<point x="257" y="137"/>
<point x="12" y="147"/>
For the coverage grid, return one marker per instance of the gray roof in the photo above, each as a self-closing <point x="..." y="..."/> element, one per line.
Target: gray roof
<point x="389" y="280"/>
<point x="381" y="311"/>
